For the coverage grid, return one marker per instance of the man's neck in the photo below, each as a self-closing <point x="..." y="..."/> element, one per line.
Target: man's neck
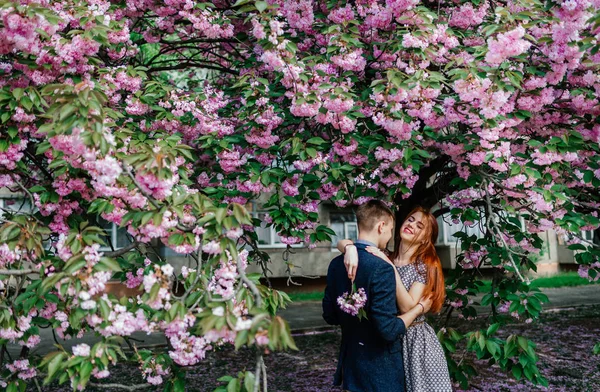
<point x="370" y="237"/>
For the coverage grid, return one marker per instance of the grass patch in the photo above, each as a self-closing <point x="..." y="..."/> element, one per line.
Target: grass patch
<point x="566" y="279"/>
<point x="306" y="296"/>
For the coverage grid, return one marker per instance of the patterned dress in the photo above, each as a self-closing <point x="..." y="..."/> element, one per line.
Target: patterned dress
<point x="425" y="364"/>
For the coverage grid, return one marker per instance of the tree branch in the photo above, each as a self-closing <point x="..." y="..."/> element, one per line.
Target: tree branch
<point x="249" y="283"/>
<point x="183" y="65"/>
<point x="122" y="251"/>
<point x="8" y="272"/>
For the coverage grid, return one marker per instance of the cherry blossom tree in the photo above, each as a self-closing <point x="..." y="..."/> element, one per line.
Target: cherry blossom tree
<point x="166" y="118"/>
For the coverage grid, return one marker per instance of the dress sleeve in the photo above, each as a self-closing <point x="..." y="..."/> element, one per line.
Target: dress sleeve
<point x="421" y="272"/>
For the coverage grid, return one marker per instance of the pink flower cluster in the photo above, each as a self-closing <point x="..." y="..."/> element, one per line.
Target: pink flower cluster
<point x="584" y="271"/>
<point x="352" y="303"/>
<point x="225" y="277"/>
<point x="188" y="349"/>
<point x="12" y="155"/>
<point x="467" y="16"/>
<point x="506" y="45"/>
<point x="153" y="373"/>
<point x="22" y="369"/>
<point x="299" y="14"/>
<point x="473" y="258"/>
<point x="158" y="188"/>
<point x="7" y="256"/>
<point x="161" y="276"/>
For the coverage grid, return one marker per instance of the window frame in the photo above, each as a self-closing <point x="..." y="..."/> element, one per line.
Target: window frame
<point x="346" y="227"/>
<point x="272" y="232"/>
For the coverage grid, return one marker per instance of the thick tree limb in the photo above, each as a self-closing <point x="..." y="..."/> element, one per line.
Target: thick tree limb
<point x="18" y="272"/>
<point x="122" y="251"/>
<point x="184" y="65"/>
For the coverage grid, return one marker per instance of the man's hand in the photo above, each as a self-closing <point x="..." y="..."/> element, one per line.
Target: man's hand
<point x="351" y="261"/>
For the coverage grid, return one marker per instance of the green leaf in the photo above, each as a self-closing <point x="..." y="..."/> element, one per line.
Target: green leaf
<point x="522" y="343"/>
<point x="26" y="103"/>
<point x="487" y="299"/>
<point x="517" y="372"/>
<point x="85" y="372"/>
<point x="491" y="347"/>
<point x="481" y="340"/>
<point x="261" y="6"/>
<point x="492" y="329"/>
<point x="528" y="373"/>
<point x="179" y="385"/>
<point x="18" y="93"/>
<point x="111" y="264"/>
<point x="66" y="111"/>
<point x="54" y="366"/>
<point x="576" y="247"/>
<point x="176" y="239"/>
<point x="249" y="381"/>
<point x="234" y="385"/>
<point x="316" y="141"/>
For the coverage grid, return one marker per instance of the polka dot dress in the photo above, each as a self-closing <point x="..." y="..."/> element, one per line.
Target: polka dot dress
<point x="425" y="364"/>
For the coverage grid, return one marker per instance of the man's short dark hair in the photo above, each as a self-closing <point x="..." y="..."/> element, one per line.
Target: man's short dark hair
<point x="371" y="212"/>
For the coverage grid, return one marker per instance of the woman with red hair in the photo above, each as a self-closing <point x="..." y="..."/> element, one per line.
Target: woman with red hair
<point x="418" y="275"/>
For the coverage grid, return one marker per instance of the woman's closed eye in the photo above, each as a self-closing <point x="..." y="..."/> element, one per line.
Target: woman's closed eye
<point x="419" y="225"/>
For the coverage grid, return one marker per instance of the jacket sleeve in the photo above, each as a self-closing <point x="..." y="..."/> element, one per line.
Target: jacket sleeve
<point x="383" y="304"/>
<point x="330" y="313"/>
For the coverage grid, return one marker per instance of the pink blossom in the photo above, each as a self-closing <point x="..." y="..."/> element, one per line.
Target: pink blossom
<point x="22" y="369"/>
<point x="506" y="45"/>
<point x="212" y="248"/>
<point x="81" y="350"/>
<point x="352" y="61"/>
<point x="290" y="186"/>
<point x="352" y="303"/>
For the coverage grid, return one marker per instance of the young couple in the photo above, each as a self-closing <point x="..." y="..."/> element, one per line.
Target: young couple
<point x="387" y="351"/>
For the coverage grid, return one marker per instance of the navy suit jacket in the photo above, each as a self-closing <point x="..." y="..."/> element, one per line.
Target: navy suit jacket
<point x="370" y="357"/>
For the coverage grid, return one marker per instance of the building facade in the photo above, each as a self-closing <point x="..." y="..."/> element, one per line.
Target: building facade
<point x="314" y="262"/>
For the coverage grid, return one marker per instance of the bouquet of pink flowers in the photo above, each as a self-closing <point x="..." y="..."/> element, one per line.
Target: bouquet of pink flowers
<point x="354" y="302"/>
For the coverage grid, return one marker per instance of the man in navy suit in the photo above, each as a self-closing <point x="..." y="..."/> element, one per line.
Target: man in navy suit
<point x="370" y="358"/>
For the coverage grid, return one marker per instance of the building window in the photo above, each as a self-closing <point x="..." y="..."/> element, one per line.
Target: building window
<point x="447" y="229"/>
<point x="588" y="235"/>
<point x="115" y="235"/>
<point x="17" y="205"/>
<point x="345" y="227"/>
<point x="267" y="236"/>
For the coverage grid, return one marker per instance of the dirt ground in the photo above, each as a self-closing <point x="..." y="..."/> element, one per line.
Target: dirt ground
<point x="564" y="344"/>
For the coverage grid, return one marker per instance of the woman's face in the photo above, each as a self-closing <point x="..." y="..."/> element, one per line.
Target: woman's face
<point x="413" y="227"/>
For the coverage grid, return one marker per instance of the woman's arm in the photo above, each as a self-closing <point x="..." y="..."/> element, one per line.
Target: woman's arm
<point x="406" y="300"/>
<point x="420" y="308"/>
<point x="350" y="257"/>
<point x="341" y="245"/>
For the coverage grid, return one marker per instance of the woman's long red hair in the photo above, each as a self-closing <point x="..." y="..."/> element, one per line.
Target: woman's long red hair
<point x="426" y="253"/>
